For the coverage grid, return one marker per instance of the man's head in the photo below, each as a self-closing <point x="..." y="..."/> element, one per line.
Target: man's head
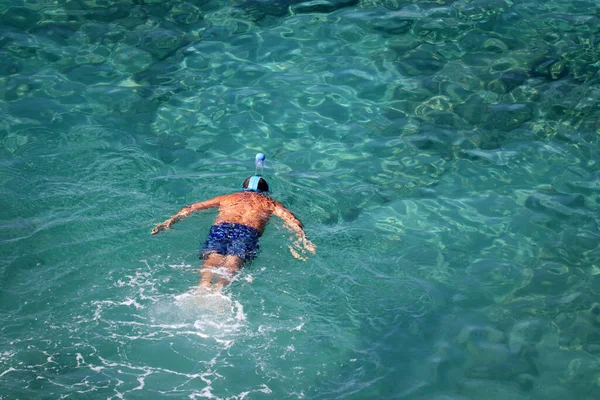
<point x="255" y="184"/>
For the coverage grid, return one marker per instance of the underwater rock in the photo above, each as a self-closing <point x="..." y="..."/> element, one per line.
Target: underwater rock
<point x="62" y="34"/>
<point x="478" y="10"/>
<point x="488" y="356"/>
<point x="439" y="30"/>
<point x="473" y="41"/>
<point x="469" y="79"/>
<point x="521" y="369"/>
<point x="159" y="74"/>
<point x="98" y="11"/>
<point x="394" y="27"/>
<point x="593" y="314"/>
<point x="564" y="320"/>
<point x="595" y="284"/>
<point x="507" y="81"/>
<point x="18" y="86"/>
<point x="402" y="44"/>
<point x="258" y="9"/>
<point x="473" y="299"/>
<point x="434" y="138"/>
<point x="507" y="117"/>
<point x="399" y="118"/>
<point x="245" y="75"/>
<point x="480" y="335"/>
<point x="116" y="12"/>
<point x="121" y="100"/>
<point x="479" y="42"/>
<point x="162" y="42"/>
<point x="583" y="66"/>
<point x="322" y="6"/>
<point x="90" y="74"/>
<point x="474" y="110"/>
<point x="450" y="51"/>
<point x="197" y="62"/>
<point x="581" y="242"/>
<point x="9" y="66"/>
<point x="350" y="214"/>
<point x="360" y="80"/>
<point x="573" y="299"/>
<point x="528" y="92"/>
<point x="580" y="377"/>
<point x="139" y="16"/>
<point x="184" y="157"/>
<point x="421" y="62"/>
<point x="527" y="332"/>
<point x="550" y="68"/>
<point x="583" y="333"/>
<point x="18" y="45"/>
<point x="94" y="32"/>
<point x="131" y="60"/>
<point x="455" y="92"/>
<point x="559" y="99"/>
<point x="561" y="92"/>
<point x="479" y="63"/>
<point x="185" y="13"/>
<point x="173" y="147"/>
<point x="170" y="118"/>
<point x="498" y="276"/>
<point x="46" y="109"/>
<point x="550" y="279"/>
<point x="554" y="203"/>
<point x="447" y="120"/>
<point x="13" y="141"/>
<point x="19" y="17"/>
<point x="414" y="92"/>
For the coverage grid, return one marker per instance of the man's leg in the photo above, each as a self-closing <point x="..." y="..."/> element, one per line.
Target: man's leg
<point x="211" y="261"/>
<point x="232" y="264"/>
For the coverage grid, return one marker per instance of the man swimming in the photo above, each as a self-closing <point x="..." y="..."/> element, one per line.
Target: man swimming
<point x="233" y="238"/>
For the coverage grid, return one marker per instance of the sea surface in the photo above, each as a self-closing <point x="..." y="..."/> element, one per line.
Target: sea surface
<point x="444" y="157"/>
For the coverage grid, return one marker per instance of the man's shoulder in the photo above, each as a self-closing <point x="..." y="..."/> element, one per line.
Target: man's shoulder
<point x="236" y="196"/>
<point x="262" y="200"/>
<point x="228" y="197"/>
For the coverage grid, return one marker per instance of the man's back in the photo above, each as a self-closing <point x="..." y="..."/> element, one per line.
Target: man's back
<point x="246" y="208"/>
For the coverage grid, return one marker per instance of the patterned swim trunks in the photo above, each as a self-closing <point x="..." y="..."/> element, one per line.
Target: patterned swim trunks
<point x="228" y="238"/>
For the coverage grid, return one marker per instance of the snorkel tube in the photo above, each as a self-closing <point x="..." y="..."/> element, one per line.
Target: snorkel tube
<point x="260" y="163"/>
<point x="256" y="179"/>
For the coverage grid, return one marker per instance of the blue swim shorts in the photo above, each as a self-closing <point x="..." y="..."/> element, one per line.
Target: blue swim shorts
<point x="228" y="238"/>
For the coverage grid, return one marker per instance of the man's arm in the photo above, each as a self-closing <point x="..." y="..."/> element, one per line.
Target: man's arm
<point x="185" y="211"/>
<point x="293" y="224"/>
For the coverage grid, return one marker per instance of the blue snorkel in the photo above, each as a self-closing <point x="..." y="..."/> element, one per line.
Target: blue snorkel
<point x="255" y="179"/>
<point x="260" y="163"/>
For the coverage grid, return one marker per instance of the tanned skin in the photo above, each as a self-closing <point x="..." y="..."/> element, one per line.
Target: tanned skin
<point x="246" y="208"/>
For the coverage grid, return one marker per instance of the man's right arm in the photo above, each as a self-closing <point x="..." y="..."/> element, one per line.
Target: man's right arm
<point x="185" y="211"/>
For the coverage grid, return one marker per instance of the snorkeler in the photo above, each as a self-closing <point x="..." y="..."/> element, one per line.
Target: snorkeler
<point x="233" y="238"/>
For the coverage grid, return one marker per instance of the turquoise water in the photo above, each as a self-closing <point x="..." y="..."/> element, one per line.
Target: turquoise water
<point x="442" y="155"/>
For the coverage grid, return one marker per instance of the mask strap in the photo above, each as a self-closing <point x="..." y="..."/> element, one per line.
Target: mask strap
<point x="253" y="184"/>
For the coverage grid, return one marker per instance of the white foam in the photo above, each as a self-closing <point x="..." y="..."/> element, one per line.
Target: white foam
<point x="7" y="371"/>
<point x="199" y="312"/>
<point x="219" y="271"/>
<point x="198" y="299"/>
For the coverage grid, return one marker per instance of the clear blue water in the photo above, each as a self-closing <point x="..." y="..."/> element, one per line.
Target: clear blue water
<point x="443" y="156"/>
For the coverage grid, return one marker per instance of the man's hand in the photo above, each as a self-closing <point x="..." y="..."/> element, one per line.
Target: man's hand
<point x="303" y="245"/>
<point x="309" y="246"/>
<point x="161" y="227"/>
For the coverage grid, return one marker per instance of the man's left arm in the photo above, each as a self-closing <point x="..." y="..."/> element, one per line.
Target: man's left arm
<point x="294" y="224"/>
